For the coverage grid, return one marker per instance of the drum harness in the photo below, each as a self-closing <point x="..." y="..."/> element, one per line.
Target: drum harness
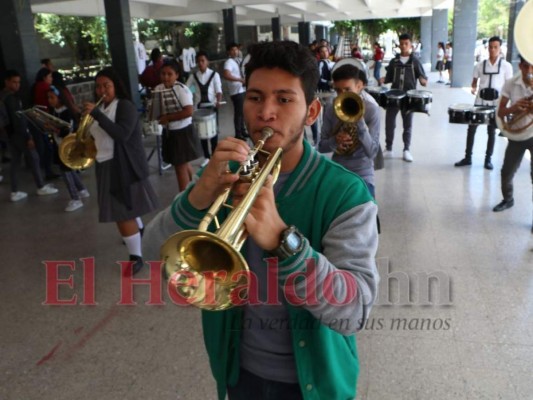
<point x="204" y="89"/>
<point x="492" y="93"/>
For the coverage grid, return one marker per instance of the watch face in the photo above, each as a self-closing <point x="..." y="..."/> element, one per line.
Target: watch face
<point x="294" y="241"/>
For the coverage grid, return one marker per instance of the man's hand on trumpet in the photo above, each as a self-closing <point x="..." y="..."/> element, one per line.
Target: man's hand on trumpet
<point x="215" y="177"/>
<point x="343" y="139"/>
<point x="263" y="223"/>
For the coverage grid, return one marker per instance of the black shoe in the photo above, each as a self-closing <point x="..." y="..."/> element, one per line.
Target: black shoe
<point x="488" y="165"/>
<point x="463" y="162"/>
<point x="503" y="205"/>
<point x="137" y="264"/>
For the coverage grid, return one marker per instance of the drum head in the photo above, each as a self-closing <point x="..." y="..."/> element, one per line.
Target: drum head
<point x="482" y="110"/>
<point x="395" y="94"/>
<point x="460" y="107"/>
<point x="419" y="93"/>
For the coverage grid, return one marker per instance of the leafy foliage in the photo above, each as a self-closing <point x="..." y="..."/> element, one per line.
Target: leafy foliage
<point x="73" y="32"/>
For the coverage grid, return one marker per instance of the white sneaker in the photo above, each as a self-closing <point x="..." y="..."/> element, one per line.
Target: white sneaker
<point x="387" y="154"/>
<point x="84" y="193"/>
<point x="407" y="156"/>
<point x="16" y="196"/>
<point x="46" y="190"/>
<point x="205" y="162"/>
<point x="73" y="205"/>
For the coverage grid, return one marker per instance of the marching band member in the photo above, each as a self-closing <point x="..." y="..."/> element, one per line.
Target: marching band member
<point x="206" y="86"/>
<point x="124" y="191"/>
<point x="75" y="186"/>
<point x="349" y="78"/>
<point x="180" y="144"/>
<point x="516" y="98"/>
<point x="317" y="216"/>
<point x="403" y="72"/>
<point x="492" y="74"/>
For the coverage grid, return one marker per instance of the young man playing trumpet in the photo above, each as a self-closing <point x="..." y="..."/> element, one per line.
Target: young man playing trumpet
<point x="354" y="144"/>
<point x="517" y="99"/>
<point x="314" y="229"/>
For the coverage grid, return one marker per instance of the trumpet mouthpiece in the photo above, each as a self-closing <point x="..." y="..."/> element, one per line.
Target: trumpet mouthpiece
<point x="267" y="132"/>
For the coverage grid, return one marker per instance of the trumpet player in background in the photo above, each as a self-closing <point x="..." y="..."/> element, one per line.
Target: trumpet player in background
<point x="317" y="219"/>
<point x="124" y="191"/>
<point x="75" y="186"/>
<point x="516" y="100"/>
<point x="356" y="144"/>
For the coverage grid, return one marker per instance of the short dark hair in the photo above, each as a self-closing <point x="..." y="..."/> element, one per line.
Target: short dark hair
<point x="289" y="56"/>
<point x="496" y="39"/>
<point x="42" y="73"/>
<point x="523" y="60"/>
<point x="349" y="72"/>
<point x="120" y="89"/>
<point x="155" y="54"/>
<point x="231" y="45"/>
<point x="11" y="73"/>
<point x="171" y="63"/>
<point x="405" y="36"/>
<point x="202" y="53"/>
<point x="45" y="61"/>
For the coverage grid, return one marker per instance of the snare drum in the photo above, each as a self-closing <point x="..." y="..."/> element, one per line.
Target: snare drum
<point x="394" y="98"/>
<point x="378" y="93"/>
<point x="482" y="115"/>
<point x="459" y="113"/>
<point x="204" y="123"/>
<point x="419" y="100"/>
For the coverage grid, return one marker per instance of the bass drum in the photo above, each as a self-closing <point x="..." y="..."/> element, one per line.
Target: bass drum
<point x="394" y="98"/>
<point x="459" y="113"/>
<point x="482" y="115"/>
<point x="419" y="101"/>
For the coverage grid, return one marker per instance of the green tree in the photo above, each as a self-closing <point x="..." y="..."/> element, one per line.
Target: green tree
<point x="199" y="34"/>
<point x="71" y="31"/>
<point x="493" y="18"/>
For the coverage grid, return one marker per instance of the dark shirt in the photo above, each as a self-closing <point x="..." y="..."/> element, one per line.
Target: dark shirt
<point x="404" y="76"/>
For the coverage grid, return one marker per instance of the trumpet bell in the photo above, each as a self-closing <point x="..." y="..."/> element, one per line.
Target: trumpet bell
<point x="205" y="270"/>
<point x="349" y="107"/>
<point x="76" y="154"/>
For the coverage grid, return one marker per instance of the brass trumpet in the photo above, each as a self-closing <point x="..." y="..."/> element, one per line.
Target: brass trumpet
<point x="77" y="150"/>
<point x="349" y="108"/>
<point x="207" y="269"/>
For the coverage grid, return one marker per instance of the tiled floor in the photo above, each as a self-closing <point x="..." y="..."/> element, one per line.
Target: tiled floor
<point x="465" y="336"/>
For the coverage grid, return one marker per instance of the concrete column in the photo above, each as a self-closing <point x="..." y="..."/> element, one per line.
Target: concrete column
<point x="230" y="25"/>
<point x="439" y="32"/>
<point x="276" y="29"/>
<point x="18" y="44"/>
<point x="120" y="38"/>
<point x="320" y="32"/>
<point x="512" y="51"/>
<point x="304" y="33"/>
<point x="464" y="41"/>
<point x="425" y="39"/>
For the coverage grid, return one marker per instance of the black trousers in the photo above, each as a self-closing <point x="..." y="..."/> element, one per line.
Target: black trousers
<point x="238" y="115"/>
<point x="513" y="157"/>
<point x="390" y="126"/>
<point x="470" y="136"/>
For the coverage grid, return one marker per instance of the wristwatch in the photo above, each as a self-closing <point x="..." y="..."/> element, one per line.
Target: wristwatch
<point x="291" y="242"/>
